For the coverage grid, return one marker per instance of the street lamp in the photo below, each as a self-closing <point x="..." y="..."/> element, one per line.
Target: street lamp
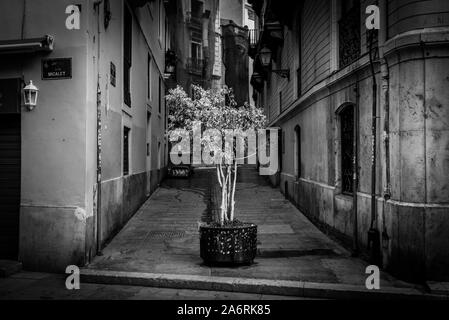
<point x="170" y="63"/>
<point x="265" y="56"/>
<point x="30" y="93"/>
<point x="265" y="60"/>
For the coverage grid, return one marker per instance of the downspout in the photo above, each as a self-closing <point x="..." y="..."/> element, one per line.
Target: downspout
<point x="373" y="232"/>
<point x="97" y="9"/>
<point x="385" y="74"/>
<point x="355" y="247"/>
<point x="386" y="137"/>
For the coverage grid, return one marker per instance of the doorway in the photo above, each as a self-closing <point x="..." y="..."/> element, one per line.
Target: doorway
<point x="10" y="167"/>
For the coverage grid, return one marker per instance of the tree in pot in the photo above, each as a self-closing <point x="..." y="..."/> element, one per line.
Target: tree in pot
<point x="212" y="122"/>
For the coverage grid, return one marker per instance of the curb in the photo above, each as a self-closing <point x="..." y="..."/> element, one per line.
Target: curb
<point x="255" y="286"/>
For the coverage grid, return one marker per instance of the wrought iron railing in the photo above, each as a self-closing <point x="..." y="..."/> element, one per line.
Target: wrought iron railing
<point x="195" y="65"/>
<point x="254" y="37"/>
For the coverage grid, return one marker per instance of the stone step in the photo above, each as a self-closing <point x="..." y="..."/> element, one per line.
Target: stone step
<point x="259" y="286"/>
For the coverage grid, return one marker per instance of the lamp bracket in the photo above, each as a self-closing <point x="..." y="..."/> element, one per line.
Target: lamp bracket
<point x="283" y="73"/>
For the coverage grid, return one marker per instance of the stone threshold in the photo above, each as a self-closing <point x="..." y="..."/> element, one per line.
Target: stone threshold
<point x="257" y="286"/>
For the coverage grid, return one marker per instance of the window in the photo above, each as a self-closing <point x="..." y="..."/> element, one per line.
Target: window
<point x="283" y="141"/>
<point x="195" y="62"/>
<point x="298" y="151"/>
<point x="161" y="21"/>
<point x="148" y="134"/>
<point x="280" y="101"/>
<point x="149" y="71"/>
<point x="160" y="95"/>
<point x="299" y="46"/>
<point x="195" y="50"/>
<point x="280" y="147"/>
<point x="127" y="57"/>
<point x="251" y="15"/>
<point x="126" y="137"/>
<point x="148" y="143"/>
<point x="167" y="44"/>
<point x="349" y="32"/>
<point x="159" y="155"/>
<point x="347" y="148"/>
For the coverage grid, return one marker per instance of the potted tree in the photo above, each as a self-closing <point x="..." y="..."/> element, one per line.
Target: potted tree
<point x="225" y="240"/>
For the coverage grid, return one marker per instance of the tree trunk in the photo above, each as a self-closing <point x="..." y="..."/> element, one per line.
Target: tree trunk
<point x="233" y="192"/>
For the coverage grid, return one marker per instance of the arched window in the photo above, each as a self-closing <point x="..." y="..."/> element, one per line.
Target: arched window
<point x="347" y="148"/>
<point x="298" y="151"/>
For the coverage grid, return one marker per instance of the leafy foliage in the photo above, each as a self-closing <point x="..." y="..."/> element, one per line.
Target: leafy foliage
<point x="215" y="111"/>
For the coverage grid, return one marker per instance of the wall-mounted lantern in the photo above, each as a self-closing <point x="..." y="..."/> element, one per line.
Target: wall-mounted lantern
<point x="170" y="62"/>
<point x="265" y="60"/>
<point x="30" y="93"/>
<point x="265" y="56"/>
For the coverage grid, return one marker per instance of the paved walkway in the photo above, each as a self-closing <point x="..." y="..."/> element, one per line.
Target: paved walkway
<point x="163" y="236"/>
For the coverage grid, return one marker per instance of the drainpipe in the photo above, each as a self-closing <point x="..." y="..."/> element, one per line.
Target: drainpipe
<point x="373" y="232"/>
<point x="385" y="73"/>
<point x="386" y="137"/>
<point x="97" y="9"/>
<point x="355" y="247"/>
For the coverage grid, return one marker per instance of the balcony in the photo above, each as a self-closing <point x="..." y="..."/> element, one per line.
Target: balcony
<point x="194" y="22"/>
<point x="253" y="35"/>
<point x="195" y="66"/>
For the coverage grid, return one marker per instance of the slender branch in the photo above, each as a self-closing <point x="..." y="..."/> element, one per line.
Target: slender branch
<point x="219" y="176"/>
<point x="229" y="180"/>
<point x="233" y="192"/>
<point x="223" y="205"/>
<point x="225" y="197"/>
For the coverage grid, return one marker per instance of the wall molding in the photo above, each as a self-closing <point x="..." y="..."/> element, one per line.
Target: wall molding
<point x="368" y="196"/>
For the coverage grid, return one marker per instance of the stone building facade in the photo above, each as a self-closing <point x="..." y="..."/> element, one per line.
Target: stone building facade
<point x="322" y="102"/>
<point x="93" y="149"/>
<point x="196" y="42"/>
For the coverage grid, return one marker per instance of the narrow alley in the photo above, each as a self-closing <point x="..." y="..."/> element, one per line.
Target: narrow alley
<point x="162" y="238"/>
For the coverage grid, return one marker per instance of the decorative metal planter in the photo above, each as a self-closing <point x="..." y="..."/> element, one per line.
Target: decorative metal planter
<point x="234" y="245"/>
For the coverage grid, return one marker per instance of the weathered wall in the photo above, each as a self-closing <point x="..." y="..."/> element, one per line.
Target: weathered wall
<point x="122" y="195"/>
<point x="315" y="41"/>
<point x="53" y="205"/>
<point x="182" y="35"/>
<point x="416" y="218"/>
<point x="407" y="15"/>
<point x="59" y="137"/>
